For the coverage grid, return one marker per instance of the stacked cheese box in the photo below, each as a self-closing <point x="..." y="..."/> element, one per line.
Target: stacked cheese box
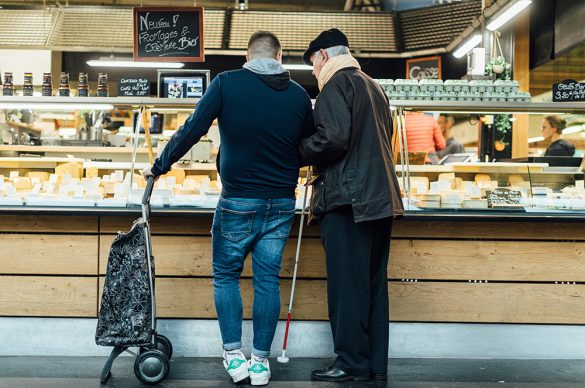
<point x="569" y="198"/>
<point x="454" y="90"/>
<point x="451" y="192"/>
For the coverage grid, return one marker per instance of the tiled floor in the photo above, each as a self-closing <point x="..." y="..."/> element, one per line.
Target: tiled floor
<point x="74" y="372"/>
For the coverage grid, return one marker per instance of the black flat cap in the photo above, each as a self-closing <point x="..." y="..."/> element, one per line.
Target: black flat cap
<point x="326" y="39"/>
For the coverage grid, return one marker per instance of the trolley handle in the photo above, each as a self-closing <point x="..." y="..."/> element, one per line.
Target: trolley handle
<point x="148" y="190"/>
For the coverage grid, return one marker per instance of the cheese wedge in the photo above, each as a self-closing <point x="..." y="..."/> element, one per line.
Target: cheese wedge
<point x="109" y="188"/>
<point x="446" y="176"/>
<point x="422" y="180"/>
<point x="197" y="178"/>
<point x="178" y="174"/>
<point x="42" y="175"/>
<point x="73" y="168"/>
<point x="482" y="178"/>
<point x="91" y="172"/>
<point x="139" y="179"/>
<point x="514" y="180"/>
<point x="22" y="184"/>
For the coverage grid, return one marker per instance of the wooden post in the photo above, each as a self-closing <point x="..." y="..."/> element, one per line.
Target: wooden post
<point x="522" y="75"/>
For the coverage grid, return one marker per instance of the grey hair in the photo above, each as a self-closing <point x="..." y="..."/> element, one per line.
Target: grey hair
<point x="336" y="50"/>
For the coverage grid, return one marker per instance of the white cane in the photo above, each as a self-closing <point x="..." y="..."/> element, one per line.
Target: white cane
<point x="283" y="358"/>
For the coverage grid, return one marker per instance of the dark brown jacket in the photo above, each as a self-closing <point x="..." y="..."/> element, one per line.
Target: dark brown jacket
<point x="351" y="149"/>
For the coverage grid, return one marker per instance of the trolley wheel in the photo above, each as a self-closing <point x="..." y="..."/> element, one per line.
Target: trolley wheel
<point x="151" y="367"/>
<point x="163" y="344"/>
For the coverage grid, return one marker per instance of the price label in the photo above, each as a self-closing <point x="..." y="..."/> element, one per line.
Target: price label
<point x="569" y="91"/>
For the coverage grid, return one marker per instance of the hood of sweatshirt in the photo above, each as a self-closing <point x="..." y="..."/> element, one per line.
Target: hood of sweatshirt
<point x="270" y="71"/>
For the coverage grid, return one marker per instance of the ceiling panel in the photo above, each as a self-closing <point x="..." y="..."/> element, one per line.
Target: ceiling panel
<point x="436" y="26"/>
<point x="369" y="32"/>
<point x="28" y="28"/>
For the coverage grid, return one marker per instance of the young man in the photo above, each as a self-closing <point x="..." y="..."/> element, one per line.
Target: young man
<point x="262" y="117"/>
<point x="356" y="197"/>
<point x="452" y="146"/>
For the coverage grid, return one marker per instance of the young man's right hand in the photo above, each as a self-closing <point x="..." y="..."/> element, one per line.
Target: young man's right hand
<point x="147" y="172"/>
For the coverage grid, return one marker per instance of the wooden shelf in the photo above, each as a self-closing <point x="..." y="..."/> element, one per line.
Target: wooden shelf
<point x="7" y="163"/>
<point x="489" y="107"/>
<point x="13" y="102"/>
<point x="72" y="149"/>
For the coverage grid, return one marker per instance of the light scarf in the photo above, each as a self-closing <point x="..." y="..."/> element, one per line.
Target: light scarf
<point x="333" y="65"/>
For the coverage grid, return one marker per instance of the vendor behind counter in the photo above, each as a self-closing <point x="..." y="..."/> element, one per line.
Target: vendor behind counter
<point x="552" y="129"/>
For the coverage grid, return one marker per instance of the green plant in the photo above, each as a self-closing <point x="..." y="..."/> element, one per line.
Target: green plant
<point x="498" y="68"/>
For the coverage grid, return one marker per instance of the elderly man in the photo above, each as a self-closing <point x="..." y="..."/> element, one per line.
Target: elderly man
<point x="262" y="117"/>
<point x="356" y="196"/>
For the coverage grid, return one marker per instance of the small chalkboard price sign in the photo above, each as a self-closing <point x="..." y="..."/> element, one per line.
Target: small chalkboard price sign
<point x="502" y="197"/>
<point x="168" y="34"/>
<point x="139" y="87"/>
<point x="569" y="91"/>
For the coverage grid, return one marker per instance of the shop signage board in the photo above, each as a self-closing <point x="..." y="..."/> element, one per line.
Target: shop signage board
<point x="569" y="91"/>
<point x="502" y="197"/>
<point x="139" y="87"/>
<point x="168" y="34"/>
<point x="424" y="68"/>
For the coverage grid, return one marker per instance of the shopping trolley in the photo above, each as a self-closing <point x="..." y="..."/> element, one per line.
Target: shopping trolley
<point x="127" y="315"/>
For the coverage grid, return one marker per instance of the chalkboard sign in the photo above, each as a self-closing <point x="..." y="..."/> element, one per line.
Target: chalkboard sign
<point x="569" y="91"/>
<point x="502" y="197"/>
<point x="139" y="87"/>
<point x="168" y="34"/>
<point x="424" y="68"/>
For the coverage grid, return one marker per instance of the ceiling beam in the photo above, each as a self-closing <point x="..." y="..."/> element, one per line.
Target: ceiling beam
<point x="264" y="5"/>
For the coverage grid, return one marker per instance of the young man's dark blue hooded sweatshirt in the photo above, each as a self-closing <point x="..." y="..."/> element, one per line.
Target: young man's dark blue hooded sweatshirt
<point x="262" y="119"/>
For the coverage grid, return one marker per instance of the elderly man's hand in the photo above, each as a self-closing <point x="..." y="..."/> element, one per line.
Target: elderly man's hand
<point x="147" y="172"/>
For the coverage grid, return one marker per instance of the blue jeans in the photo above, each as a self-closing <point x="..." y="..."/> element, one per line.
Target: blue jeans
<point x="241" y="226"/>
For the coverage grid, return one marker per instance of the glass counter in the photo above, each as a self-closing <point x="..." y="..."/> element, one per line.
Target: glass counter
<point x="533" y="184"/>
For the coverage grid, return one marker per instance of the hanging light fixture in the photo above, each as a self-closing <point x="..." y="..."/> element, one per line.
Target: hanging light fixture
<point x="242" y="5"/>
<point x="508" y="14"/>
<point x="112" y="61"/>
<point x="468" y="45"/>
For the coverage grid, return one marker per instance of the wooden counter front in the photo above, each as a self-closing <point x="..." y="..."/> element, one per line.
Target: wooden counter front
<point x="439" y="271"/>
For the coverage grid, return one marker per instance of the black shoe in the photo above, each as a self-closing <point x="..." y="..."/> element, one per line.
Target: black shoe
<point x="335" y="374"/>
<point x="380" y="376"/>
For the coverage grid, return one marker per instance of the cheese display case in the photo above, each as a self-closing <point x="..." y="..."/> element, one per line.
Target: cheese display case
<point x="38" y="169"/>
<point x="476" y="187"/>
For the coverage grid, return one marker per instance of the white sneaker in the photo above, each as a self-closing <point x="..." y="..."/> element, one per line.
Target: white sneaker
<point x="236" y="365"/>
<point x="259" y="370"/>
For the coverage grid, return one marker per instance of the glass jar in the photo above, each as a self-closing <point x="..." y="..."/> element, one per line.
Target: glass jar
<point x="64" y="90"/>
<point x="103" y="90"/>
<point x="47" y="88"/>
<point x="27" y="86"/>
<point x="83" y="87"/>
<point x="8" y="89"/>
